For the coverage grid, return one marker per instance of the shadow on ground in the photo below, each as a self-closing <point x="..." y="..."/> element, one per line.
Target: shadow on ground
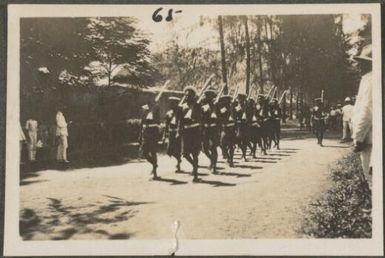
<point x="215" y="183"/>
<point x="62" y="222"/>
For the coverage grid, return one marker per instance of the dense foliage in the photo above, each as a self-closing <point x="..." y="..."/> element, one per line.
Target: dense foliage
<point x="345" y="211"/>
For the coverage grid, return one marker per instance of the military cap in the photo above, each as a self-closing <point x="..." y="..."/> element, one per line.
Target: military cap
<point x="191" y="89"/>
<point x="145" y="107"/>
<point x="173" y="98"/>
<point x="225" y="97"/>
<point x="210" y="93"/>
<point x="242" y="95"/>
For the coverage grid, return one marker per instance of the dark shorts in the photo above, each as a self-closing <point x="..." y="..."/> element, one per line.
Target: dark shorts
<point x="174" y="146"/>
<point x="210" y="137"/>
<point x="319" y="126"/>
<point x="228" y="137"/>
<point x="150" y="139"/>
<point x="191" y="141"/>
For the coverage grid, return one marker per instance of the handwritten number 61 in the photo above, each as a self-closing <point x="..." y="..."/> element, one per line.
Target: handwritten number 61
<point x="157" y="17"/>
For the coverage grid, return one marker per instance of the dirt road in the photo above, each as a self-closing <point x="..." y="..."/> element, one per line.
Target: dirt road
<point x="261" y="198"/>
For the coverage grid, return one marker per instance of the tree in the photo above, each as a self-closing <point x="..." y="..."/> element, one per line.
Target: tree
<point x="115" y="43"/>
<point x="247" y="39"/>
<point x="223" y="57"/>
<point x="54" y="43"/>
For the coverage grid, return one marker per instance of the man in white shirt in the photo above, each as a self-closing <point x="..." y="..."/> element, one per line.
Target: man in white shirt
<point x="347" y="111"/>
<point x="62" y="134"/>
<point x="31" y="126"/>
<point x="362" y="118"/>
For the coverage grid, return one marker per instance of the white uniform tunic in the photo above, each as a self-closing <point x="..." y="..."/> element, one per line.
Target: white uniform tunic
<point x="362" y="121"/>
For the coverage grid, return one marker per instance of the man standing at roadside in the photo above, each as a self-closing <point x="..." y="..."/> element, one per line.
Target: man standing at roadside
<point x="347" y="120"/>
<point x="62" y="134"/>
<point x="362" y="113"/>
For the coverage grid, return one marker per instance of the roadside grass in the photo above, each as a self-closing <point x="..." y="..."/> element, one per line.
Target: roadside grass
<point x="345" y="210"/>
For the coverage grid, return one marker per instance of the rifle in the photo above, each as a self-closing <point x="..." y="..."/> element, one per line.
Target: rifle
<point x="182" y="100"/>
<point x="268" y="94"/>
<point x="236" y="92"/>
<point x="322" y="96"/>
<point x="204" y="88"/>
<point x="251" y="91"/>
<point x="274" y="91"/>
<point x="162" y="90"/>
<point x="220" y="93"/>
<point x="283" y="94"/>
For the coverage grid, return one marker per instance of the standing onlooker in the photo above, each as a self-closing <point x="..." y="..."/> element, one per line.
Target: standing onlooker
<point x="339" y="116"/>
<point x="333" y="118"/>
<point x="318" y="119"/>
<point x="31" y="126"/>
<point x="22" y="139"/>
<point x="62" y="134"/>
<point x="347" y="120"/>
<point x="362" y="119"/>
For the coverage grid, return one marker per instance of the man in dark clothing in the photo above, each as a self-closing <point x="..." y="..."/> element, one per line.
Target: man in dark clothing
<point x="276" y="115"/>
<point x="171" y="131"/>
<point x="241" y="126"/>
<point x="318" y="120"/>
<point x="252" y="126"/>
<point x="228" y="137"/>
<point x="261" y="112"/>
<point x="149" y="135"/>
<point x="210" y="129"/>
<point x="190" y="129"/>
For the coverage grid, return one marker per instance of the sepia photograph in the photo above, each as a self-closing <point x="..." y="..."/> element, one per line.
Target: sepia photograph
<point x="204" y="123"/>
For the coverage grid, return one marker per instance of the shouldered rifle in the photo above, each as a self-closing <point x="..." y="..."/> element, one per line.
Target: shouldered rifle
<point x="274" y="91"/>
<point x="162" y="90"/>
<point x="268" y="94"/>
<point x="236" y="92"/>
<point x="251" y="91"/>
<point x="283" y="94"/>
<point x="204" y="88"/>
<point x="220" y="93"/>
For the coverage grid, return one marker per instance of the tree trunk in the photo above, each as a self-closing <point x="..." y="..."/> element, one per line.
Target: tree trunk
<point x="291" y="104"/>
<point x="272" y="61"/>
<point x="247" y="57"/>
<point x="259" y="49"/>
<point x="223" y="57"/>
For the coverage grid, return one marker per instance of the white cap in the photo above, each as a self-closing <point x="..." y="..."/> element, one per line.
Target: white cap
<point x="347" y="99"/>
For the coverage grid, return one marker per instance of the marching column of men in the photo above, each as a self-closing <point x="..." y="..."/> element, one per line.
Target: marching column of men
<point x="206" y="121"/>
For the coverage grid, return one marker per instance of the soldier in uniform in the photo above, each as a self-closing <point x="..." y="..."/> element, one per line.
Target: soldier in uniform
<point x="227" y="137"/>
<point x="261" y="114"/>
<point x="171" y="131"/>
<point x="276" y="115"/>
<point x="318" y="121"/>
<point x="210" y="129"/>
<point x="149" y="135"/>
<point x="241" y="125"/>
<point x="190" y="129"/>
<point x="252" y="126"/>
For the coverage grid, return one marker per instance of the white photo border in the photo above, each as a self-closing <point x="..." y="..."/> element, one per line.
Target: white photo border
<point x="15" y="246"/>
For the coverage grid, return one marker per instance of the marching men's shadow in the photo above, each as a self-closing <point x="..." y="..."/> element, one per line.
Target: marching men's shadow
<point x="189" y="173"/>
<point x="215" y="183"/>
<point x="233" y="174"/>
<point x="171" y="181"/>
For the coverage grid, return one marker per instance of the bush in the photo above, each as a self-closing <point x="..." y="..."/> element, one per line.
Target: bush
<point x="345" y="211"/>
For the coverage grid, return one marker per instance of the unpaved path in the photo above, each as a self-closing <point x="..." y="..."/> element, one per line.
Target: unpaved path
<point x="262" y="198"/>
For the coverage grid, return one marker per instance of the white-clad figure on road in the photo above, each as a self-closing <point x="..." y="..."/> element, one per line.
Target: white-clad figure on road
<point x="32" y="126"/>
<point x="362" y="113"/>
<point x="62" y="134"/>
<point x="347" y="112"/>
